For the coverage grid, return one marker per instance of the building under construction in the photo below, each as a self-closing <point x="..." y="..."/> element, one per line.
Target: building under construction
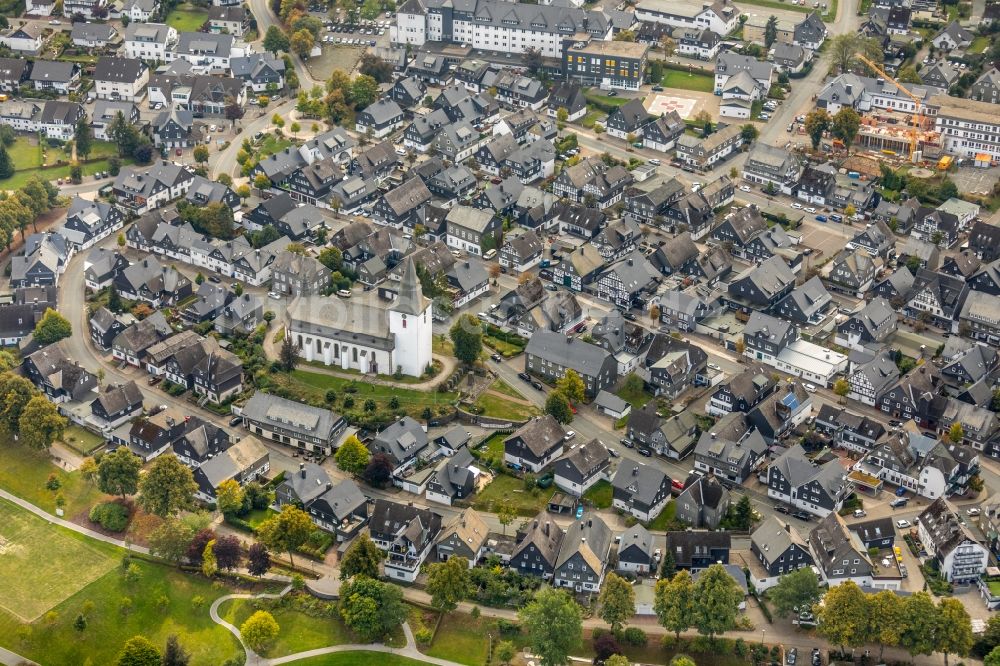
<point x="890" y="133"/>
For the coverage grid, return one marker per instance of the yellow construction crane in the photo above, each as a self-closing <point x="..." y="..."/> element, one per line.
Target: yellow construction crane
<point x="916" y="101"/>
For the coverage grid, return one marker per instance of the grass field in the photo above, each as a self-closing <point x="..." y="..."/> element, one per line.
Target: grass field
<point x="636" y="398"/>
<point x="299" y="631"/>
<point x="71" y="562"/>
<point x="379" y="392"/>
<point x="688" y="81"/>
<point x="270" y="145"/>
<point x="187" y="18"/>
<point x="89" y="169"/>
<point x="359" y="659"/>
<point x="596" y="96"/>
<point x="82" y="440"/>
<point x="525" y="503"/>
<point x="500" y="386"/>
<point x="460" y="638"/>
<point x="590" y="118"/>
<point x="25" y="473"/>
<point x="499" y="407"/>
<point x="25" y="154"/>
<point x="502" y="347"/>
<point x="667" y="516"/>
<point x="600" y="494"/>
<point x="979" y="44"/>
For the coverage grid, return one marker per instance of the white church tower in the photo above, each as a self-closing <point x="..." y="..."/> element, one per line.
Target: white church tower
<point x="411" y="323"/>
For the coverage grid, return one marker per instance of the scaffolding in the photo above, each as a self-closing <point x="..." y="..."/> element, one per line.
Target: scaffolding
<point x="914" y="141"/>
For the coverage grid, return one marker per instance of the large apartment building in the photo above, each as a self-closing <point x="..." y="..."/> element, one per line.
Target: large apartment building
<point x="606" y="64"/>
<point x="968" y="128"/>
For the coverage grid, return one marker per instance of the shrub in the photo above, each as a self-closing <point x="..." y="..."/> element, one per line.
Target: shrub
<point x="112" y="516"/>
<point x="423" y="635"/>
<point x="635" y="636"/>
<point x="508" y="626"/>
<point x="605" y="645"/>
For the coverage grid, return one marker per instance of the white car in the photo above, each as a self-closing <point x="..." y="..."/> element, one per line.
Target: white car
<point x="570" y="434"/>
<point x="974" y="511"/>
<point x="810" y="387"/>
<point x="276" y="296"/>
<point x="810" y="210"/>
<point x="714" y="366"/>
<point x="655" y="162"/>
<point x="55" y="22"/>
<point x="744" y="188"/>
<point x="797" y="206"/>
<point x="902" y="524"/>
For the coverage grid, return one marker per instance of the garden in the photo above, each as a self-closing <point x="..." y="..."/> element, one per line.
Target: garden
<point x="524" y="496"/>
<point x="187" y="18"/>
<point x="694" y="81"/>
<point x="31" y="157"/>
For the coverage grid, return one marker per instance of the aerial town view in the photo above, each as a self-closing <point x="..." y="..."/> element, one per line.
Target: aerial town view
<point x="500" y="332"/>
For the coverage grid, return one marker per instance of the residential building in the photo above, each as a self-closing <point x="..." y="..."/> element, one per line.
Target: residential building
<point x="536" y="444"/>
<point x="581" y="467"/>
<point x="697" y="550"/>
<point x="703" y="503"/>
<point x="961" y="558"/>
<point x="839" y="554"/>
<point x="779" y="550"/>
<point x="731" y="449"/>
<point x="583" y="556"/>
<point x="292" y="423"/>
<point x="549" y="355"/>
<point x="807" y="484"/>
<point x="407" y="533"/>
<point x="639" y="489"/>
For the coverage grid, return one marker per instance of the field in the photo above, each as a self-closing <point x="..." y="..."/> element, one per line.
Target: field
<point x="688" y="81"/>
<point x="334" y="57"/>
<point x="359" y="659"/>
<point x="89" y="169"/>
<point x="667" y="516"/>
<point x="82" y="440"/>
<point x="636" y="398"/>
<point x="71" y="562"/>
<point x="525" y="503"/>
<point x="26" y="472"/>
<point x="462" y="639"/>
<point x="600" y="494"/>
<point x="187" y="18"/>
<point x="979" y="44"/>
<point x="299" y="631"/>
<point x="25" y="154"/>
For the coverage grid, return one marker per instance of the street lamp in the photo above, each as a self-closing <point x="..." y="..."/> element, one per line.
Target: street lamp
<point x="762" y="632"/>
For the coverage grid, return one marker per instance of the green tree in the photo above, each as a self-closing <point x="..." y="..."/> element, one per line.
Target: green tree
<point x="174" y="653"/>
<point x="993" y="658"/>
<point x="362" y="558"/>
<point x="118" y="472"/>
<point x="228" y="496"/>
<point x="622" y="660"/>
<point x="83" y="136"/>
<point x="841" y="387"/>
<point x="743" y="514"/>
<point x="682" y="660"/>
<point x="921" y="621"/>
<point x="572" y="386"/>
<point x="286" y="531"/>
<point x="467" y="336"/>
<point x="770" y="31"/>
<point x="364" y="91"/>
<point x="845" y="125"/>
<point x="505" y="652"/>
<point x="716" y="601"/>
<point x="554" y="625"/>
<point x="749" y="133"/>
<point x="843" y="49"/>
<point x="259" y="631"/>
<point x="617" y="601"/>
<point x="288" y="354"/>
<point x="6" y="164"/>
<point x="798" y="589"/>
<point x="171" y="540"/>
<point x="817" y="122"/>
<point x="843" y="617"/>
<point x="954" y="633"/>
<point x="138" y="651"/>
<point x="302" y="43"/>
<point x="332" y="258"/>
<point x="275" y="40"/>
<point x="352" y="456"/>
<point x="80" y="623"/>
<point x="885" y="609"/>
<point x="200" y="154"/>
<point x="557" y="405"/>
<point x="41" y="424"/>
<point x="370" y="608"/>
<point x="506" y="513"/>
<point x="209" y="565"/>
<point x="370" y="9"/>
<point x="448" y="583"/>
<point x="15" y="393"/>
<point x="52" y="327"/>
<point x="167" y="488"/>
<point x="956" y="433"/>
<point x="909" y="74"/>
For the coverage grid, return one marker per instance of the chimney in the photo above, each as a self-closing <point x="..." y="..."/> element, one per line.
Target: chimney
<point x="302" y="470"/>
<point x="545" y="528"/>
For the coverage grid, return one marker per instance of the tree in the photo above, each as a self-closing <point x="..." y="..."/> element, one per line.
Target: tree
<point x="171" y="540"/>
<point x="532" y="59"/>
<point x="258" y="559"/>
<point x="138" y="651"/>
<point x="302" y="43"/>
<point x="717" y="599"/>
<point x="625" y="36"/>
<point x="174" y="653"/>
<point x="288" y="354"/>
<point x="798" y="589"/>
<point x="375" y="67"/>
<point x="956" y="433"/>
<point x="572" y="386"/>
<point x="920" y="622"/>
<point x="668" y="566"/>
<point x="845" y="125"/>
<point x="80" y="623"/>
<point x="352" y="456"/>
<point x="364" y="91"/>
<point x="448" y="583"/>
<point x="673" y="602"/>
<point x="332" y="258"/>
<point x="506" y="513"/>
<point x="617" y="601"/>
<point x="200" y="153"/>
<point x="209" y="565"/>
<point x="118" y="472"/>
<point x="15" y="393"/>
<point x="622" y="660"/>
<point x="41" y="424"/>
<point x="742" y="514"/>
<point x="259" y="631"/>
<point x="378" y="472"/>
<point x="362" y="558"/>
<point x="557" y="405"/>
<point x="286" y="531"/>
<point x="993" y="658"/>
<point x="467" y="336"/>
<point x="370" y="9"/>
<point x="954" y="633"/>
<point x="83" y="137"/>
<point x="505" y="652"/>
<point x="228" y="496"/>
<point x="843" y="49"/>
<point x="52" y="327"/>
<point x="228" y="552"/>
<point x="817" y="122"/>
<point x="841" y="387"/>
<point x="167" y="488"/>
<point x="275" y="40"/>
<point x="749" y="133"/>
<point x="6" y="164"/>
<point x="243" y="191"/>
<point x="843" y="617"/>
<point x="885" y="609"/>
<point x="370" y="608"/>
<point x="770" y="31"/>
<point x="554" y="624"/>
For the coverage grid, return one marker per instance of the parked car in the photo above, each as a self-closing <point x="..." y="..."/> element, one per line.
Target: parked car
<point x="810" y="387"/>
<point x="860" y="513"/>
<point x="496" y="358"/>
<point x="235" y="421"/>
<point x="570" y="434"/>
<point x="902" y="524"/>
<point x="974" y="511"/>
<point x="900" y="492"/>
<point x="781" y="508"/>
<point x="804" y="516"/>
<point x="791" y="656"/>
<point x="524" y="376"/>
<point x="537" y="385"/>
<point x="898" y="502"/>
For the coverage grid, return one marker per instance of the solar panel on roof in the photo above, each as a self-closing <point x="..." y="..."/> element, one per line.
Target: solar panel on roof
<point x="790" y="401"/>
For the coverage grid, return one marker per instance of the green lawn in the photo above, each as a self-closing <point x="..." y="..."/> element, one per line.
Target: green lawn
<point x="376" y="391"/>
<point x="299" y="631"/>
<point x="491" y="450"/>
<point x="636" y="398"/>
<point x="272" y="144"/>
<point x="462" y="639"/>
<point x="590" y="118"/>
<point x="695" y="81"/>
<point x="667" y="516"/>
<point x="24" y="154"/>
<point x="499" y="407"/>
<point x="82" y="440"/>
<point x="600" y="494"/>
<point x="403" y="379"/>
<point x="26" y="472"/>
<point x="89" y="169"/>
<point x="500" y="386"/>
<point x="187" y="18"/>
<point x="525" y="503"/>
<point x="596" y="96"/>
<point x="979" y="44"/>
<point x="502" y="347"/>
<point x="359" y="659"/>
<point x="71" y="562"/>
